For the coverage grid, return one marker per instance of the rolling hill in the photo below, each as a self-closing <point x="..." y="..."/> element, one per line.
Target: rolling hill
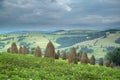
<point x="92" y="41"/>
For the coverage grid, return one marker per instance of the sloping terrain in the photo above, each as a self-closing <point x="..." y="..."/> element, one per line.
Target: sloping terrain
<point x="91" y="41"/>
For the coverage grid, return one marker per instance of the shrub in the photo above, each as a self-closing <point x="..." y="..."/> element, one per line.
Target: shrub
<point x="107" y="63"/>
<point x="9" y="50"/>
<point x="92" y="60"/>
<point x="20" y="50"/>
<point x="57" y="55"/>
<point x="101" y="61"/>
<point x="72" y="57"/>
<point x="58" y="52"/>
<point x="84" y="58"/>
<point x="111" y="64"/>
<point x="64" y="56"/>
<point x="37" y="52"/>
<point x="114" y="56"/>
<point x="14" y="48"/>
<point x="50" y="50"/>
<point x="79" y="54"/>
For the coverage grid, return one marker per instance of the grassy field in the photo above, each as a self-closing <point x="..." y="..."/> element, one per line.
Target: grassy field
<point x="28" y="67"/>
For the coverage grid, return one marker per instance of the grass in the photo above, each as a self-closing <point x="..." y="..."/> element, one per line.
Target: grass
<point x="27" y="67"/>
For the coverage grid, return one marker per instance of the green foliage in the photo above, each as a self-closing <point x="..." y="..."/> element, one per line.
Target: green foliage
<point x="26" y="67"/>
<point x="114" y="56"/>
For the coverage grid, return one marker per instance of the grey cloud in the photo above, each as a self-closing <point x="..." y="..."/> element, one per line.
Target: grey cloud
<point x="53" y="13"/>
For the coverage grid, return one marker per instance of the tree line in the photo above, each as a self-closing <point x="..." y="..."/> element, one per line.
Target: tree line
<point x="72" y="56"/>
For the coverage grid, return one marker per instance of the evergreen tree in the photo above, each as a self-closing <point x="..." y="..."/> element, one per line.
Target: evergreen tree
<point x="92" y="60"/>
<point x="114" y="56"/>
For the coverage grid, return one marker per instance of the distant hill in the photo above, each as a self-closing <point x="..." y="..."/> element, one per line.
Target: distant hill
<point x="91" y="41"/>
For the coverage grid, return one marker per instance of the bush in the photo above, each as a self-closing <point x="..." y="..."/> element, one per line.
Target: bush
<point x="107" y="63"/>
<point x="64" y="56"/>
<point x="20" y="50"/>
<point x="114" y="56"/>
<point x="92" y="60"/>
<point x="101" y="61"/>
<point x="57" y="55"/>
<point x="58" y="52"/>
<point x="79" y="54"/>
<point x="9" y="50"/>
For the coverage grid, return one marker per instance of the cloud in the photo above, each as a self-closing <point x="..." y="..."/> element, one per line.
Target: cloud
<point x="63" y="13"/>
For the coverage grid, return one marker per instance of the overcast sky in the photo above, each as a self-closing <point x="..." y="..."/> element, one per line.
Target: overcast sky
<point x="59" y="14"/>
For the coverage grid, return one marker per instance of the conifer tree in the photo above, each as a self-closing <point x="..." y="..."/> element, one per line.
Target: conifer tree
<point x="92" y="60"/>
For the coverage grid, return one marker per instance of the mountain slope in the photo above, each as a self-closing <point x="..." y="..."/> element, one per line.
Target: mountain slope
<point x="91" y="41"/>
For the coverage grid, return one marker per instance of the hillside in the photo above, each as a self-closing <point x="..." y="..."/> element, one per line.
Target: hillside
<point x="27" y="67"/>
<point x="91" y="41"/>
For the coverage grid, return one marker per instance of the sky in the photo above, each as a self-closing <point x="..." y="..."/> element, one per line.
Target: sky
<point x="16" y="15"/>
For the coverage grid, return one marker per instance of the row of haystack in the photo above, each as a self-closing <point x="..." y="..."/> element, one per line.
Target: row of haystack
<point x="72" y="58"/>
<point x="14" y="49"/>
<point x="50" y="53"/>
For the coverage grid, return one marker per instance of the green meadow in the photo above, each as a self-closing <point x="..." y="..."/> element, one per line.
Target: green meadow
<point x="28" y="67"/>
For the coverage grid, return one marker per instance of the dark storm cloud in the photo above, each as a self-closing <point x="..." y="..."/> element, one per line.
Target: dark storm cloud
<point x="1" y="3"/>
<point x="63" y="14"/>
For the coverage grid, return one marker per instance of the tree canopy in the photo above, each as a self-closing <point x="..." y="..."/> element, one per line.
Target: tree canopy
<point x="114" y="56"/>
